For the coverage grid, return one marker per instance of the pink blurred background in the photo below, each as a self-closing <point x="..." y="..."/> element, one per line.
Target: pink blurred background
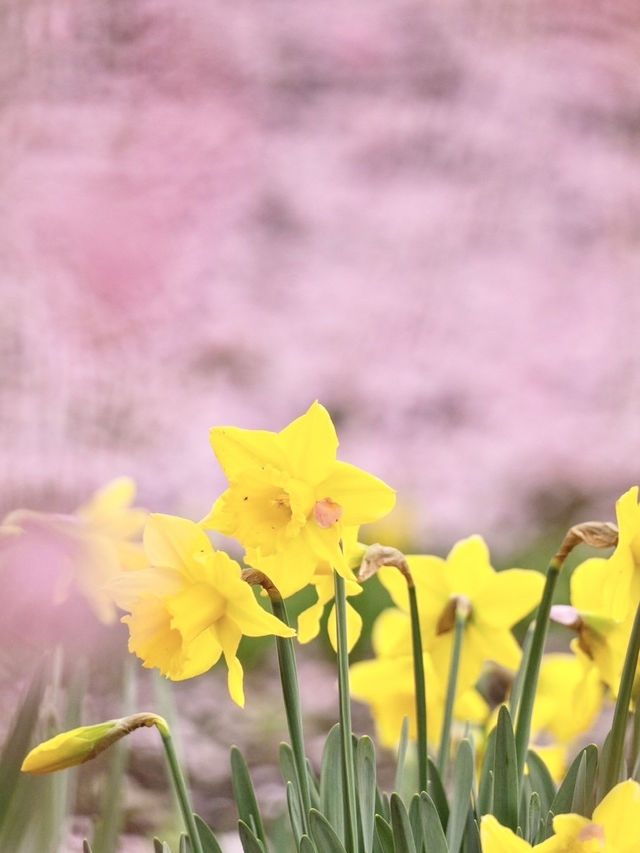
<point x="425" y="214"/>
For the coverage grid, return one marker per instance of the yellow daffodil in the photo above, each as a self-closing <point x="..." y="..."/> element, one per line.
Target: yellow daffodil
<point x="387" y="684"/>
<point x="79" y="745"/>
<point x="290" y="497"/>
<point x="87" y="548"/>
<point x="614" y="827"/>
<point x="192" y="606"/>
<point x="496" y="838"/>
<point x="497" y="600"/>
<point x="604" y="595"/>
<point x="568" y="697"/>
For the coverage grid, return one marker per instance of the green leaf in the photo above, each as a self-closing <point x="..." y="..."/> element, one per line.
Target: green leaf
<point x="471" y="842"/>
<point x="462" y="785"/>
<point x="534" y="823"/>
<point x="307" y="845"/>
<point x="584" y="792"/>
<point x="331" y="782"/>
<point x="432" y="831"/>
<point x="323" y="835"/>
<point x="365" y="759"/>
<point x="86" y="847"/>
<point x="402" y="753"/>
<point x="505" y="780"/>
<point x="563" y="799"/>
<point x="314" y="788"/>
<point x="401" y="827"/>
<point x="207" y="838"/>
<point x="384" y="835"/>
<point x="541" y="782"/>
<point x="295" y="811"/>
<point x="157" y="845"/>
<point x="415" y="820"/>
<point x="436" y="791"/>
<point x="249" y="840"/>
<point x="485" y="786"/>
<point x="244" y="794"/>
<point x="18" y="740"/>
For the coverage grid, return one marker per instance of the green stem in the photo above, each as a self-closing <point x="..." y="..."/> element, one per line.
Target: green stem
<point x="620" y="715"/>
<point x="291" y="695"/>
<point x="462" y="614"/>
<point x="635" y="741"/>
<point x="345" y="716"/>
<point x="181" y="791"/>
<point x="532" y="668"/>
<point x="516" y="689"/>
<point x="420" y="685"/>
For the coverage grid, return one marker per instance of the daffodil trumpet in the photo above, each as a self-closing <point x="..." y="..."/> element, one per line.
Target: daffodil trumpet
<point x="289" y="682"/>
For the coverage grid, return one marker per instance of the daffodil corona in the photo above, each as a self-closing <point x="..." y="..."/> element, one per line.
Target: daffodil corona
<point x="289" y="497"/>
<point x="192" y="606"/>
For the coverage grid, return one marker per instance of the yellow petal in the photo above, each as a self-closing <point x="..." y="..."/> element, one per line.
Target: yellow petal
<point x="500" y="839"/>
<point x="619" y="814"/>
<point x="310" y="444"/>
<point x="194" y="609"/>
<point x="309" y="622"/>
<point x="354" y="627"/>
<point x="67" y="749"/>
<point x="602" y="586"/>
<point x="468" y="566"/>
<point x="229" y="636"/>
<point x="508" y="597"/>
<point x="170" y="541"/>
<point x="250" y="618"/>
<point x="362" y="496"/>
<point x="240" y="449"/>
<point x="391" y="635"/>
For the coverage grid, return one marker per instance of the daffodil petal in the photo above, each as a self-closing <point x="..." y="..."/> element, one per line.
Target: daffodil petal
<point x="240" y="449"/>
<point x="310" y="444"/>
<point x="173" y="542"/>
<point x="619" y="814"/>
<point x="508" y="597"/>
<point x="363" y="497"/>
<point x="468" y="566"/>
<point x="354" y="627"/>
<point x="251" y="619"/>
<point x="309" y="622"/>
<point x="229" y="636"/>
<point x="500" y="839"/>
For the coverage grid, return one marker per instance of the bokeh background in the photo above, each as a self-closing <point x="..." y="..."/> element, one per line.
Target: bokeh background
<point x="424" y="214"/>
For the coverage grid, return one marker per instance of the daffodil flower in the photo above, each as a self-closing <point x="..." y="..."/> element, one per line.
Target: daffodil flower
<point x="192" y="606"/>
<point x="290" y="497"/>
<point x="387" y="685"/>
<point x="604" y="595"/>
<point x="91" y="546"/>
<point x="497" y="600"/>
<point x="614" y="828"/>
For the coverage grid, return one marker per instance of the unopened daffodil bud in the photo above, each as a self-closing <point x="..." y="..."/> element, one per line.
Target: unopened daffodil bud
<point x="82" y="744"/>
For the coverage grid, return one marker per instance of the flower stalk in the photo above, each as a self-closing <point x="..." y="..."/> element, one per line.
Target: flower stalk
<point x="596" y="534"/>
<point x="290" y="686"/>
<point x="462" y="612"/>
<point x="181" y="790"/>
<point x="345" y="716"/>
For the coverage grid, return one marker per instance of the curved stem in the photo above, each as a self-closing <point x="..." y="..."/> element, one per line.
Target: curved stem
<point x="291" y="694"/>
<point x="420" y="686"/>
<point x="181" y="791"/>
